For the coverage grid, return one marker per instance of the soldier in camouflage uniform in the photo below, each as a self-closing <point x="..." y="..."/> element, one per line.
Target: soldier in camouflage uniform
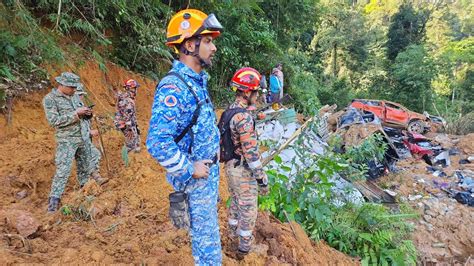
<point x="239" y="152"/>
<point x="65" y="114"/>
<point x="126" y="116"/>
<point x="93" y="153"/>
<point x="185" y="147"/>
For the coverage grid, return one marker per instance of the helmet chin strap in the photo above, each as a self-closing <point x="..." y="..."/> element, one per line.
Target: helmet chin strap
<point x="197" y="45"/>
<point x="247" y="98"/>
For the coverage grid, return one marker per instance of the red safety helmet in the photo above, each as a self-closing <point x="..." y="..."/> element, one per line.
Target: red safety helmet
<point x="131" y="83"/>
<point x="246" y="79"/>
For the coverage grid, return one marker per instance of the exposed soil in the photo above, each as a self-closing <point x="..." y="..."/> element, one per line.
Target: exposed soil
<point x="124" y="221"/>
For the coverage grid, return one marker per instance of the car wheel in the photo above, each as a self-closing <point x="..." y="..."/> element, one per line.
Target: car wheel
<point x="416" y="126"/>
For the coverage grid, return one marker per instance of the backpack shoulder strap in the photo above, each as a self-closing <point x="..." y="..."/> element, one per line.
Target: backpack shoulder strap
<point x="175" y="74"/>
<point x="228" y="115"/>
<point x="196" y="112"/>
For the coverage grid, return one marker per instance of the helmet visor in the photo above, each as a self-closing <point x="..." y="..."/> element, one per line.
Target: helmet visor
<point x="212" y="24"/>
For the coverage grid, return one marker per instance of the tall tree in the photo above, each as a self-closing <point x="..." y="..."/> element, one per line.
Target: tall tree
<point x="413" y="71"/>
<point x="408" y="27"/>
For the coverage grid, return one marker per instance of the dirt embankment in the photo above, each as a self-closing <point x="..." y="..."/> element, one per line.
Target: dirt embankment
<point x="126" y="220"/>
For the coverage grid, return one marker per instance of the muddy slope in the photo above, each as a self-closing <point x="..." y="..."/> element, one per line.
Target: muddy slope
<point x="125" y="221"/>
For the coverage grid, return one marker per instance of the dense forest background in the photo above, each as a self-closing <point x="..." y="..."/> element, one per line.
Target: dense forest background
<point x="417" y="53"/>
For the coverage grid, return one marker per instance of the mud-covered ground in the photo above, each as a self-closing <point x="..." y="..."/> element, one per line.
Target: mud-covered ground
<point x="444" y="234"/>
<point x="124" y="221"/>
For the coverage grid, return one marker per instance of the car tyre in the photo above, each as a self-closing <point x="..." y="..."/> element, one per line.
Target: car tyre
<point x="416" y="126"/>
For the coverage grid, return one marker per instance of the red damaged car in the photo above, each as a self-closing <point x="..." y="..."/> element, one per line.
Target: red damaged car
<point x="396" y="115"/>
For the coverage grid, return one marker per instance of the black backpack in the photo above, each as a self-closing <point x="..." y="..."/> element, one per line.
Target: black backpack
<point x="227" y="148"/>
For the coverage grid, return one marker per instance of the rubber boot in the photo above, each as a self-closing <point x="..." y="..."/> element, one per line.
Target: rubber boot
<point x="99" y="179"/>
<point x="53" y="204"/>
<point x="241" y="254"/>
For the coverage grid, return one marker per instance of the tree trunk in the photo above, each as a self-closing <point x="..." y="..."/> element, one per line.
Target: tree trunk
<point x="454" y="87"/>
<point x="334" y="60"/>
<point x="59" y="14"/>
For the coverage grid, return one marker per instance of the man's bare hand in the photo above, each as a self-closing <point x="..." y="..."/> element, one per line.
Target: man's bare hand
<point x="201" y="170"/>
<point x="82" y="111"/>
<point x="263" y="184"/>
<point x="94" y="133"/>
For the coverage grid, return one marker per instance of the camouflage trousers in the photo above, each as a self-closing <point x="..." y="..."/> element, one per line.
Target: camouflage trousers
<point x="204" y="231"/>
<point x="132" y="138"/>
<point x="66" y="151"/>
<point x="94" y="157"/>
<point x="243" y="206"/>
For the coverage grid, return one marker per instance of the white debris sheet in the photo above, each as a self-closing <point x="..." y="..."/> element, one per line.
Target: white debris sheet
<point x="272" y="131"/>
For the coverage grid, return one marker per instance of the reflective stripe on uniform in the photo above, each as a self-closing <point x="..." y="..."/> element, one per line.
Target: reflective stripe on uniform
<point x="245" y="233"/>
<point x="178" y="166"/>
<point x="172" y="160"/>
<point x="255" y="165"/>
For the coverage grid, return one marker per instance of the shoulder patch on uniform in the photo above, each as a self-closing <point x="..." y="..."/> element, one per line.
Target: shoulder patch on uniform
<point x="247" y="127"/>
<point x="170" y="101"/>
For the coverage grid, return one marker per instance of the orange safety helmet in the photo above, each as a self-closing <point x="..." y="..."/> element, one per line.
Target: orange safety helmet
<point x="131" y="83"/>
<point x="246" y="79"/>
<point x="191" y="22"/>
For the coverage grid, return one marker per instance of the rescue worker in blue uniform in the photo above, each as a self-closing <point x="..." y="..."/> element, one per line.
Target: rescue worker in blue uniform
<point x="183" y="136"/>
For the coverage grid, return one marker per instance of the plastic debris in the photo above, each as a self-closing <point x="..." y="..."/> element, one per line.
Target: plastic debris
<point x="465" y="198"/>
<point x="442" y="159"/>
<point x="414" y="197"/>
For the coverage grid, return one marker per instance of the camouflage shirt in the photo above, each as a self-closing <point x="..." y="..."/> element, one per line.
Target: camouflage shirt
<point x="244" y="136"/>
<point x="61" y="114"/>
<point x="126" y="115"/>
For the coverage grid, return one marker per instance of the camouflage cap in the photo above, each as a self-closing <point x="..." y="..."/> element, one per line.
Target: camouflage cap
<point x="68" y="79"/>
<point x="80" y="89"/>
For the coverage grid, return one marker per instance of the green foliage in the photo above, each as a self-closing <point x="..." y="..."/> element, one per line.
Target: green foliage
<point x="337" y="91"/>
<point x="124" y="154"/>
<point x="413" y="72"/>
<point x="23" y="44"/>
<point x="100" y="60"/>
<point x="83" y="212"/>
<point x="331" y="51"/>
<point x="304" y="92"/>
<point x="462" y="125"/>
<point x="370" y="231"/>
<point x="135" y="30"/>
<point x="342" y="39"/>
<point x="24" y="47"/>
<point x="247" y="41"/>
<point x="358" y="157"/>
<point x="371" y="148"/>
<point x="407" y="28"/>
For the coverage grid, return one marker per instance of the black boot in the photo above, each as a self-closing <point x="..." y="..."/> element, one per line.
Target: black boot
<point x="241" y="254"/>
<point x="53" y="204"/>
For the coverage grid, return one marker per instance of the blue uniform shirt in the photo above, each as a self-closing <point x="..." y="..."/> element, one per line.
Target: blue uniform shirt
<point x="172" y="110"/>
